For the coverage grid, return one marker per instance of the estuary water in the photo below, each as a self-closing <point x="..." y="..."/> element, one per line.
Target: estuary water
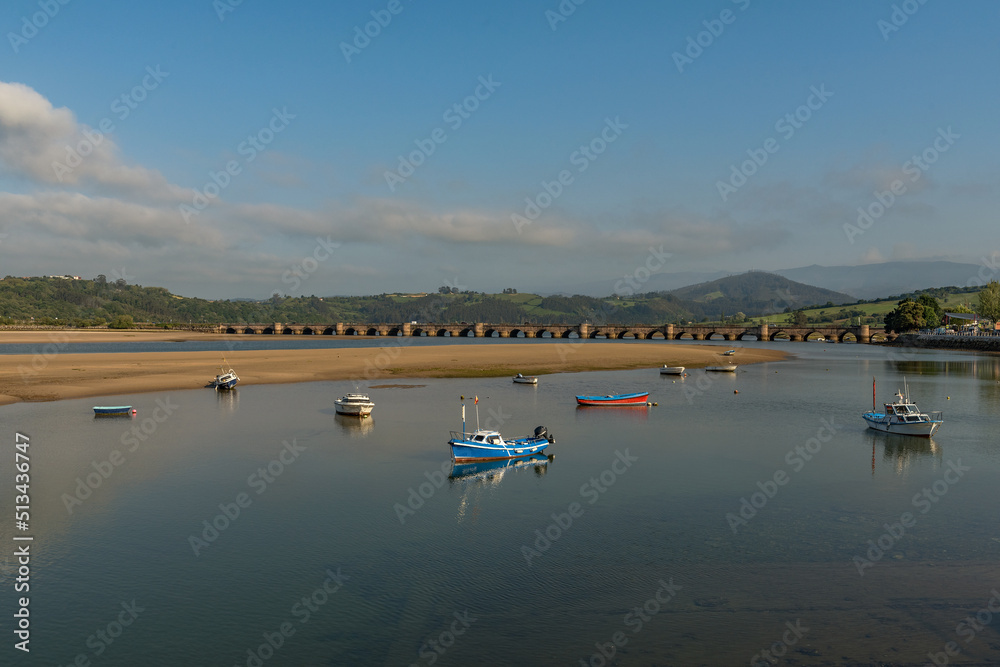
<point x="257" y="527"/>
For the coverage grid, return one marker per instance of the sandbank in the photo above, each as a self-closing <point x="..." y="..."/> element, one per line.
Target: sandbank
<point x="64" y="376"/>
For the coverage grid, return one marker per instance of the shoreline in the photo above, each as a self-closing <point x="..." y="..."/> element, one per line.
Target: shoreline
<point x="35" y="378"/>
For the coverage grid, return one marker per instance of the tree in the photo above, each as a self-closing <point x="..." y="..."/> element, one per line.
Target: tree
<point x="907" y="316"/>
<point x="122" y="322"/>
<point x="933" y="312"/>
<point x="989" y="301"/>
<point x="800" y="319"/>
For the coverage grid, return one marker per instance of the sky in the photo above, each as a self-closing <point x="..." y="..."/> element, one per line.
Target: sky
<point x="232" y="148"/>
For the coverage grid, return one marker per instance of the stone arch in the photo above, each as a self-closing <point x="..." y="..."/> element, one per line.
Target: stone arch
<point x="747" y="335"/>
<point x="330" y="331"/>
<point x="287" y="331"/>
<point x="395" y="331"/>
<point x="230" y="330"/>
<point x="268" y="330"/>
<point x="656" y="335"/>
<point x="372" y="331"/>
<point x="307" y="331"/>
<point x="847" y="337"/>
<point x="249" y="330"/>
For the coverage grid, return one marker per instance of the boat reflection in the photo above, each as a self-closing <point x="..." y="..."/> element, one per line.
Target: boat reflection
<point x="355" y="427"/>
<point x="901" y="451"/>
<point x="230" y="400"/>
<point x="485" y="476"/>
<point x="493" y="471"/>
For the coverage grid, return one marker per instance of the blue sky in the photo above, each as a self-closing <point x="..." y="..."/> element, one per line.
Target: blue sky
<point x="330" y="127"/>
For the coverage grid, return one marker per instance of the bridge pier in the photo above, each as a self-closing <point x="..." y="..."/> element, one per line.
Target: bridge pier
<point x="863" y="334"/>
<point x="698" y="336"/>
<point x="584" y="330"/>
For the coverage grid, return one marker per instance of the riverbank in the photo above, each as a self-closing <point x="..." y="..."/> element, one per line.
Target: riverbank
<point x="927" y="341"/>
<point x="64" y="376"/>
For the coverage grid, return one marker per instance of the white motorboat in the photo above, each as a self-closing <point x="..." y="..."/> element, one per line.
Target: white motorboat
<point x="671" y="370"/>
<point x="226" y="379"/>
<point x="902" y="416"/>
<point x="525" y="379"/>
<point x="725" y="368"/>
<point x="355" y="405"/>
<point x="729" y="353"/>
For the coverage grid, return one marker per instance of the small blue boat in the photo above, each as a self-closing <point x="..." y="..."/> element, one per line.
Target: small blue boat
<point x="112" y="410"/>
<point x="485" y="445"/>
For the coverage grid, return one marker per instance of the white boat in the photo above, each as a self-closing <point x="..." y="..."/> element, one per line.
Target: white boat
<point x="671" y="370"/>
<point x="725" y="368"/>
<point x="729" y="353"/>
<point x="902" y="416"/>
<point x="525" y="379"/>
<point x="356" y="405"/>
<point x="226" y="379"/>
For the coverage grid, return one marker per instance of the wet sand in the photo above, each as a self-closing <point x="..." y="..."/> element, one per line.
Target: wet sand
<point x="64" y="376"/>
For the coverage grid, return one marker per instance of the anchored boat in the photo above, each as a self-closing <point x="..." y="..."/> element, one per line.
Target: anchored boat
<point x="355" y="405"/>
<point x="113" y="410"/>
<point x="725" y="368"/>
<point x="902" y="416"/>
<point x="226" y="379"/>
<point x="615" y="399"/>
<point x="489" y="445"/>
<point x="671" y="370"/>
<point x="525" y="379"/>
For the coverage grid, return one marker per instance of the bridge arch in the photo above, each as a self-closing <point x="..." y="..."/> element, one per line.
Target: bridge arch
<point x="307" y="331"/>
<point x="656" y="335"/>
<point x="330" y="331"/>
<point x="747" y="335"/>
<point x="230" y="330"/>
<point x="249" y="330"/>
<point x="268" y="330"/>
<point x="372" y="331"/>
<point x="395" y="331"/>
<point x="287" y="331"/>
<point x="847" y="337"/>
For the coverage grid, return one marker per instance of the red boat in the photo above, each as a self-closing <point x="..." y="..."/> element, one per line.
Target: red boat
<point x="614" y="399"/>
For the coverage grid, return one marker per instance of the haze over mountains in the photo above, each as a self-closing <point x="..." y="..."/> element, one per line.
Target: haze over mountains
<point x="865" y="281"/>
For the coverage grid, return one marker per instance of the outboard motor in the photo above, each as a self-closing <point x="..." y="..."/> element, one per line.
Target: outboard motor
<point x="542" y="432"/>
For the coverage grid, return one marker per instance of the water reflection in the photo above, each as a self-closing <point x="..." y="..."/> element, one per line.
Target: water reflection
<point x="983" y="368"/>
<point x="230" y="400"/>
<point x="355" y="427"/>
<point x="900" y="451"/>
<point x="484" y="477"/>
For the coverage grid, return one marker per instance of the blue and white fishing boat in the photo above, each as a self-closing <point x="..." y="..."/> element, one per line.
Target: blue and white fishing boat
<point x="489" y="445"/>
<point x="902" y="416"/>
<point x="226" y="379"/>
<point x="113" y="410"/>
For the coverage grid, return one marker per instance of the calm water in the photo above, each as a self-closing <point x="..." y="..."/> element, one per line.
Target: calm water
<point x="648" y="554"/>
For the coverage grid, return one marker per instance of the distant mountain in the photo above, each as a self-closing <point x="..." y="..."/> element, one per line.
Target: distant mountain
<point x="756" y="293"/>
<point x="872" y="281"/>
<point x="658" y="282"/>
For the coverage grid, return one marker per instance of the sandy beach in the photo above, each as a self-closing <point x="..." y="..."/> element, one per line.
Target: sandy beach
<point x="63" y="376"/>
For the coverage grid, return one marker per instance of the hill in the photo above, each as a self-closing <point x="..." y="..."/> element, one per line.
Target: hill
<point x="756" y="293"/>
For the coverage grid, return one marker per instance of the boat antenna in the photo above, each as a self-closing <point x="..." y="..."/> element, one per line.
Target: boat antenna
<point x="476" y="403"/>
<point x="463" y="416"/>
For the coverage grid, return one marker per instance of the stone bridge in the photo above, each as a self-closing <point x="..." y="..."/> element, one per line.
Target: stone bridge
<point x="770" y="332"/>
